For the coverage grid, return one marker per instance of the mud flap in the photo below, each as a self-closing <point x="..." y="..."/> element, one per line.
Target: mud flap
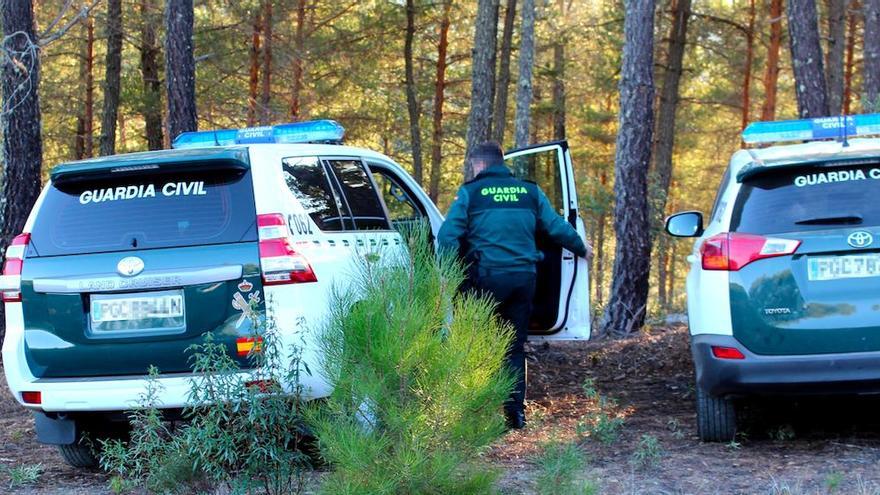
<point x="54" y="431"/>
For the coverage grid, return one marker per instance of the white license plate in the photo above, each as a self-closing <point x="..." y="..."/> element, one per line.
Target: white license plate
<point x="843" y="267"/>
<point x="137" y="307"/>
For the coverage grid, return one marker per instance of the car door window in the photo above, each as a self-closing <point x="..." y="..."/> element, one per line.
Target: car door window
<point x="543" y="169"/>
<point x="359" y="194"/>
<point x="402" y="209"/>
<point x="308" y="181"/>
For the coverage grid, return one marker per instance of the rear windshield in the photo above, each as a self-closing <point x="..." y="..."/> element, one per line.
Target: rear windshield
<point x="157" y="210"/>
<point x="810" y="198"/>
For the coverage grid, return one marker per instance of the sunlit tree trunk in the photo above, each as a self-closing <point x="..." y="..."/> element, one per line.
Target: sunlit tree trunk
<point x="871" y="71"/>
<point x="599" y="272"/>
<point x="152" y="104"/>
<point x="439" y="98"/>
<point x="771" y="73"/>
<point x="254" y="68"/>
<point x="499" y="119"/>
<point x="806" y="56"/>
<point x="834" y="58"/>
<point x="180" y="67"/>
<point x="112" y="78"/>
<point x="625" y="312"/>
<point x="559" y="75"/>
<point x="266" y="94"/>
<point x="747" y="71"/>
<point x="852" y="21"/>
<point x="482" y="79"/>
<point x="524" y="80"/>
<point x="299" y="48"/>
<point x="412" y="101"/>
<point x="84" y="145"/>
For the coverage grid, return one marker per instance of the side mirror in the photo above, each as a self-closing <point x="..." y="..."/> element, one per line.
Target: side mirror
<point x="685" y="224"/>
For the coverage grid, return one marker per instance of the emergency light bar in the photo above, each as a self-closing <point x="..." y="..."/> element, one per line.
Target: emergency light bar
<point x="813" y="129"/>
<point x="315" y="131"/>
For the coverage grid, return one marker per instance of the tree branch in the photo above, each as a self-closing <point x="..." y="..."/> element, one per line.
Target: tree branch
<point x="46" y="38"/>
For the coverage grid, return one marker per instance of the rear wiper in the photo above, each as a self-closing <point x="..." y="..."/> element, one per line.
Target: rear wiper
<point x="838" y="220"/>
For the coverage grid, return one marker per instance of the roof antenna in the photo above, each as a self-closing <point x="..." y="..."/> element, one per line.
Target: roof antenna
<point x="216" y="141"/>
<point x="844" y="129"/>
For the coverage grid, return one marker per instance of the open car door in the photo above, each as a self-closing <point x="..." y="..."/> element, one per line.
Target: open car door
<point x="562" y="296"/>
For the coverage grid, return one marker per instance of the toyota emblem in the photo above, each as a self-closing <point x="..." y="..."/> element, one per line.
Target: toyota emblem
<point x="860" y="239"/>
<point x="130" y="266"/>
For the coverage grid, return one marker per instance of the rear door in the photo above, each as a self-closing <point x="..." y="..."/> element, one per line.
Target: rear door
<point x="130" y="264"/>
<point x="825" y="297"/>
<point x="562" y="304"/>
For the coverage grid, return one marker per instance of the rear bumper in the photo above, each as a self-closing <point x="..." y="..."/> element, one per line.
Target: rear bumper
<point x="816" y="374"/>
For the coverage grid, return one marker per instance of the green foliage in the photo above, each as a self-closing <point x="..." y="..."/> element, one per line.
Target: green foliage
<point x="243" y="429"/>
<point x="589" y="388"/>
<point x="23" y="475"/>
<point x="558" y="468"/>
<point x="601" y="426"/>
<point x="649" y="453"/>
<point x="418" y="379"/>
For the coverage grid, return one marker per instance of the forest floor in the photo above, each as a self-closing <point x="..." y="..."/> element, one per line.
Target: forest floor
<point x="815" y="446"/>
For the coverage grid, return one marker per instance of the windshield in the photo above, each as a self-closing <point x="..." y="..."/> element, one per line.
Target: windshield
<point x="155" y="210"/>
<point x="808" y="198"/>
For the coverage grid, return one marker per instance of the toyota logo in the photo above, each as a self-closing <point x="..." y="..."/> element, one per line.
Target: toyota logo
<point x="860" y="239"/>
<point x="130" y="266"/>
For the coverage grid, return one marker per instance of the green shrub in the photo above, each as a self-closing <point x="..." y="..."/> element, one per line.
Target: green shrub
<point x="649" y="453"/>
<point x="23" y="475"/>
<point x="559" y="466"/>
<point x="419" y="379"/>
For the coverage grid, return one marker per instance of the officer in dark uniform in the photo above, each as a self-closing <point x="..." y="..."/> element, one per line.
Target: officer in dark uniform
<point x="492" y="223"/>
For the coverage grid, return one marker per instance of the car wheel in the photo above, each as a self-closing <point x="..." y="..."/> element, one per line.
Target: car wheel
<point x="79" y="455"/>
<point x="716" y="418"/>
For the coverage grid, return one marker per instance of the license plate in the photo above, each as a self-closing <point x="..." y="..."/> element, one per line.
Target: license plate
<point x="162" y="310"/>
<point x="843" y="267"/>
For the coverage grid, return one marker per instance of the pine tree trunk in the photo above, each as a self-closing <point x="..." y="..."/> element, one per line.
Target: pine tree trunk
<point x="412" y="101"/>
<point x="499" y="116"/>
<point x="266" y="93"/>
<point x="151" y="78"/>
<point x="559" y="77"/>
<point x="871" y="71"/>
<point x="852" y="20"/>
<point x="625" y="312"/>
<point x="599" y="273"/>
<point x="112" y="78"/>
<point x="670" y="290"/>
<point x="84" y="146"/>
<point x="662" y="255"/>
<point x="747" y="72"/>
<point x="835" y="54"/>
<point x="771" y="73"/>
<point x="806" y="56"/>
<point x="299" y="47"/>
<point x="482" y="80"/>
<point x="439" y="98"/>
<point x="180" y="67"/>
<point x="22" y="143"/>
<point x="493" y="62"/>
<point x="524" y="81"/>
<point x="254" y="69"/>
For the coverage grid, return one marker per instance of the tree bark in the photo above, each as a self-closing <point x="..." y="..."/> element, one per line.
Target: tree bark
<point x="747" y="72"/>
<point x="412" y="101"/>
<point x="625" y="312"/>
<point x="559" y="76"/>
<point x="662" y="257"/>
<point x="84" y="145"/>
<point x="871" y="71"/>
<point x="664" y="144"/>
<point x="482" y="80"/>
<point x="112" y="78"/>
<point x="499" y="116"/>
<point x="771" y="73"/>
<point x="266" y="94"/>
<point x="524" y="81"/>
<point x="180" y="67"/>
<point x="600" y="249"/>
<point x="852" y="20"/>
<point x="299" y="48"/>
<point x="835" y="53"/>
<point x="439" y="98"/>
<point x="152" y="84"/>
<point x="806" y="56"/>
<point x="254" y="68"/>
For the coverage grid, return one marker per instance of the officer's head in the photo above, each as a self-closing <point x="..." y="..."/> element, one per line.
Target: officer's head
<point x="486" y="154"/>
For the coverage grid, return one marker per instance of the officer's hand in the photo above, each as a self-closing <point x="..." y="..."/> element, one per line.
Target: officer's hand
<point x="589" y="255"/>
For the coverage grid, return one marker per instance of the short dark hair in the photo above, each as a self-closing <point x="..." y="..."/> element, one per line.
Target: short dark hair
<point x="489" y="152"/>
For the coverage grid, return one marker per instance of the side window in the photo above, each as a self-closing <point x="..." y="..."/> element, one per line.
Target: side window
<point x="359" y="194"/>
<point x="307" y="180"/>
<point x="402" y="209"/>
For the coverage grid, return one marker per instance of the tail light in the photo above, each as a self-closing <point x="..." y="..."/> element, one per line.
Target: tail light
<point x="732" y="251"/>
<point x="35" y="398"/>
<point x="727" y="352"/>
<point x="280" y="262"/>
<point x="10" y="281"/>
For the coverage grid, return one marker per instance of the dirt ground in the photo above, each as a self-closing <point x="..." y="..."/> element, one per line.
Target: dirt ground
<point x="814" y="446"/>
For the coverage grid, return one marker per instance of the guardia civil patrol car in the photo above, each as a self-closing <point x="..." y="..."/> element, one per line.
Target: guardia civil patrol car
<point x="784" y="286"/>
<point x="126" y="261"/>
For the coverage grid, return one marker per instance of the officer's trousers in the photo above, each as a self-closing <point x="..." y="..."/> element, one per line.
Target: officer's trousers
<point x="513" y="291"/>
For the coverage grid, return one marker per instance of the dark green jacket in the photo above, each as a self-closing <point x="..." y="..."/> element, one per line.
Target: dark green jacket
<point x="495" y="217"/>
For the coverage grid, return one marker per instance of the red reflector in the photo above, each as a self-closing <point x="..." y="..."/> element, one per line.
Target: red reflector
<point x="32" y="398"/>
<point x="264" y="386"/>
<point x="727" y="352"/>
<point x="244" y="345"/>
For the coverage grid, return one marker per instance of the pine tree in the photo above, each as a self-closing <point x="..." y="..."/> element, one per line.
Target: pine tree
<point x="482" y="79"/>
<point x="524" y="91"/>
<point x="412" y="100"/>
<point x="180" y="67"/>
<point x="806" y="56"/>
<point x="112" y="78"/>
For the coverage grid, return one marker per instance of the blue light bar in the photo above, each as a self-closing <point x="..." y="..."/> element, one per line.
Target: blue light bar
<point x="315" y="131"/>
<point x="812" y="129"/>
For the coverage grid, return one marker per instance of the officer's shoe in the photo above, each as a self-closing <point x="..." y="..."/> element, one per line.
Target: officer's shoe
<point x="516" y="420"/>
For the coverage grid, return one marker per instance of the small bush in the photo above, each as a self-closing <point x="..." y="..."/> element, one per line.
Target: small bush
<point x="600" y="426"/>
<point x="558" y="468"/>
<point x="418" y="376"/>
<point x="649" y="453"/>
<point x="23" y="475"/>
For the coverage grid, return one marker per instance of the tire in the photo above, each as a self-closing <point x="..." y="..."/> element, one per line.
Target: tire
<point x="716" y="418"/>
<point x="79" y="455"/>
